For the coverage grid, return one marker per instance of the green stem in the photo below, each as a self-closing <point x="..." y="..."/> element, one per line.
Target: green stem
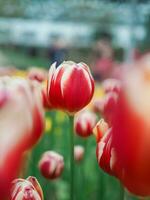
<point x="71" y="118"/>
<point x="122" y="192"/>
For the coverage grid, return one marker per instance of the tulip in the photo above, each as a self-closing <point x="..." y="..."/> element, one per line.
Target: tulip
<point x="51" y="165"/>
<point x="100" y="129"/>
<point x="111" y="85"/>
<point x="46" y="103"/>
<point x="105" y="153"/>
<point x="26" y="189"/>
<point x="84" y="123"/>
<point x="110" y="102"/>
<point x="37" y="74"/>
<point x="98" y="105"/>
<point x="78" y="153"/>
<point x="106" y="105"/>
<point x="70" y="86"/>
<point x="21" y="125"/>
<point x="131" y="130"/>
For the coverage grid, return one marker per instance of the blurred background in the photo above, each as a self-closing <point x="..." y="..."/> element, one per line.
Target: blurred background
<point x="102" y="33"/>
<point x="39" y="32"/>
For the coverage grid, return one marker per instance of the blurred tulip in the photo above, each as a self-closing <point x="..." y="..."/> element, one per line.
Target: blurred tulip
<point x="7" y="71"/>
<point x="78" y="153"/>
<point x="110" y="103"/>
<point x="46" y="103"/>
<point x="131" y="130"/>
<point x="84" y="123"/>
<point x="37" y="74"/>
<point x="98" y="105"/>
<point x="70" y="86"/>
<point x="111" y="85"/>
<point x="51" y="165"/>
<point x="21" y="125"/>
<point x="26" y="189"/>
<point x="106" y="106"/>
<point x="100" y="129"/>
<point x="106" y="154"/>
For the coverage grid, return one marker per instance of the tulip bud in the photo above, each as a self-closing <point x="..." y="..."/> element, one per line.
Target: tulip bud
<point x="100" y="129"/>
<point x="84" y="123"/>
<point x="26" y="189"/>
<point x="37" y="74"/>
<point x="51" y="165"/>
<point x="70" y="86"/>
<point x="78" y="153"/>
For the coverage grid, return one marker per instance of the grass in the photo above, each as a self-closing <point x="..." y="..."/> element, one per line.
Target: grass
<point x="21" y="60"/>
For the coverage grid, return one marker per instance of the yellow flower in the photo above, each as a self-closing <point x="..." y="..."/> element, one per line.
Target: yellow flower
<point x="20" y="73"/>
<point x="99" y="91"/>
<point x="48" y="125"/>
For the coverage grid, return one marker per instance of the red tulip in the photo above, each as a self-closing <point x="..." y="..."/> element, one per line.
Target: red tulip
<point x="51" y="165"/>
<point x="78" y="153"/>
<point x="70" y="86"/>
<point x="46" y="103"/>
<point x="84" y="123"/>
<point x="104" y="153"/>
<point x="106" y="106"/>
<point x="26" y="189"/>
<point x="100" y="129"/>
<point x="21" y="125"/>
<point x="110" y="103"/>
<point x="131" y="130"/>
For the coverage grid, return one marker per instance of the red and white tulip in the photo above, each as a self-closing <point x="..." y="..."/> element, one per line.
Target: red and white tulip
<point x="70" y="86"/>
<point x="131" y="130"/>
<point x="21" y="125"/>
<point x="51" y="165"/>
<point x="78" y="153"/>
<point x="111" y="85"/>
<point x="46" y="103"/>
<point x="26" y="189"/>
<point x="100" y="129"/>
<point x="84" y="123"/>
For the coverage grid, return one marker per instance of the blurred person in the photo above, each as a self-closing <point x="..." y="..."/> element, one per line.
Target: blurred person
<point x="103" y="57"/>
<point x="58" y="51"/>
